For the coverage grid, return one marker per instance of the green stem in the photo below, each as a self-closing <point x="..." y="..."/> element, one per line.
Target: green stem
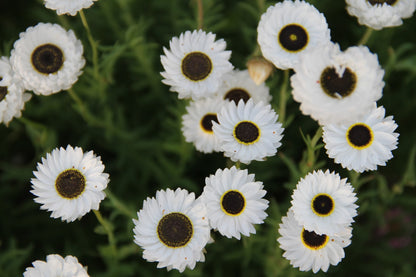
<point x="200" y="19"/>
<point x="366" y="36"/>
<point x="283" y="97"/>
<point x="119" y="205"/>
<point x="109" y="231"/>
<point x="93" y="44"/>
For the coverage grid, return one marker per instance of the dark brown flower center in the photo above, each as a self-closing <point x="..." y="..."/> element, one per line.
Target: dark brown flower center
<point x="381" y="2"/>
<point x="233" y="202"/>
<point x="47" y="58"/>
<point x="3" y="91"/>
<point x="175" y="230"/>
<point x="206" y="122"/>
<point x="359" y="135"/>
<point x="312" y="240"/>
<point x="70" y="183"/>
<point x="322" y="204"/>
<point x="246" y="132"/>
<point x="293" y="37"/>
<point x="196" y="66"/>
<point x="236" y="95"/>
<point x="338" y="86"/>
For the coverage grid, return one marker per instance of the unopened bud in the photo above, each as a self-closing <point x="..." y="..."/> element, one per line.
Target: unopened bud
<point x="259" y="69"/>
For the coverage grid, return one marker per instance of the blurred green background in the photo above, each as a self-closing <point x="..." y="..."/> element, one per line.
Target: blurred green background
<point x="128" y="117"/>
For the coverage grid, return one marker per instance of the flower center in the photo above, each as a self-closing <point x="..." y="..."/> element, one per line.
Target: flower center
<point x="360" y="136"/>
<point x="70" y="183"/>
<point x="322" y="204"/>
<point x="293" y="38"/>
<point x="233" y="202"/>
<point x="338" y="86"/>
<point x="236" y="94"/>
<point x="246" y="132"/>
<point x="196" y="66"/>
<point x="175" y="230"/>
<point x="47" y="58"/>
<point x="313" y="241"/>
<point x="206" y="122"/>
<point x="3" y="91"/>
<point x="381" y="2"/>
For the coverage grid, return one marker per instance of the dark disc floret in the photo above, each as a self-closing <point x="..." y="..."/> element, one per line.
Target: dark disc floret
<point x="196" y="66"/>
<point x="47" y="58"/>
<point x="70" y="183"/>
<point x="206" y="121"/>
<point x="312" y="240"/>
<point x="381" y="2"/>
<point x="175" y="230"/>
<point x="322" y="204"/>
<point x="233" y="202"/>
<point x="3" y="91"/>
<point x="359" y="135"/>
<point x="338" y="86"/>
<point x="236" y="95"/>
<point x="293" y="37"/>
<point x="246" y="132"/>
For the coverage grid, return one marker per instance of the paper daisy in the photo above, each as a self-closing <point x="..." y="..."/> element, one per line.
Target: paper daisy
<point x="47" y="58"/>
<point x="362" y="145"/>
<point x="234" y="202"/>
<point x="248" y="131"/>
<point x="308" y="250"/>
<point x="70" y="7"/>
<point x="378" y="14"/>
<point x="69" y="183"/>
<point x="238" y="85"/>
<point x="324" y="203"/>
<point x="334" y="86"/>
<point x="290" y="29"/>
<point x="56" y="265"/>
<point x="197" y="124"/>
<point x="195" y="64"/>
<point x="172" y="229"/>
<point x="12" y="95"/>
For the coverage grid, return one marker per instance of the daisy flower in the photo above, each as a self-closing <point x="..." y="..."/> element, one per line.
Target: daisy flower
<point x="290" y="29"/>
<point x="195" y="64"/>
<point x="47" y="58"/>
<point x="362" y="145"/>
<point x="197" y="124"/>
<point x="334" y="86"/>
<point x="234" y="202"/>
<point x="69" y="183"/>
<point x="378" y="14"/>
<point x="248" y="131"/>
<point x="12" y="95"/>
<point x="324" y="203"/>
<point x="238" y="85"/>
<point x="70" y="7"/>
<point x="56" y="265"/>
<point x="172" y="229"/>
<point x="308" y="250"/>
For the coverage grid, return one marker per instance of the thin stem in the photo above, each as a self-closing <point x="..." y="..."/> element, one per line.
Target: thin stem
<point x="365" y="37"/>
<point x="283" y="97"/>
<point x="93" y="45"/>
<point x="200" y="19"/>
<point x="119" y="205"/>
<point x="109" y="231"/>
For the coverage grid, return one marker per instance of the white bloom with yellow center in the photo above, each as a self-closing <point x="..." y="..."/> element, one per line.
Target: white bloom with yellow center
<point x="195" y="64"/>
<point x="364" y="144"/>
<point x="47" y="58"/>
<point x="378" y="14"/>
<point x="308" y="250"/>
<point x="334" y="86"/>
<point x="172" y="229"/>
<point x="69" y="183"/>
<point x="248" y="131"/>
<point x="234" y="202"/>
<point x="197" y="124"/>
<point x="55" y="266"/>
<point x="324" y="203"/>
<point x="70" y="7"/>
<point x="290" y="29"/>
<point x="12" y="95"/>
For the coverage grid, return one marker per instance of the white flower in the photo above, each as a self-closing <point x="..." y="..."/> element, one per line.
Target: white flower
<point x="234" y="202"/>
<point x="69" y="183"/>
<point x="55" y="266"/>
<point x="308" y="250"/>
<point x="12" y="95"/>
<point x="324" y="203"/>
<point x="248" y="131"/>
<point x="239" y="85"/>
<point x="47" y="58"/>
<point x="334" y="86"/>
<point x="197" y="124"/>
<point x="364" y="144"/>
<point x="172" y="229"/>
<point x="68" y="6"/>
<point x="290" y="29"/>
<point x="195" y="64"/>
<point x="378" y="14"/>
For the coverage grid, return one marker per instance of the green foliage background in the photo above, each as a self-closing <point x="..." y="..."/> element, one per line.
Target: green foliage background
<point x="120" y="109"/>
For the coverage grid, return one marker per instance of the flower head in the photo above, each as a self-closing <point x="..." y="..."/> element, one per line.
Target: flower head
<point x="56" y="265"/>
<point x="70" y="7"/>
